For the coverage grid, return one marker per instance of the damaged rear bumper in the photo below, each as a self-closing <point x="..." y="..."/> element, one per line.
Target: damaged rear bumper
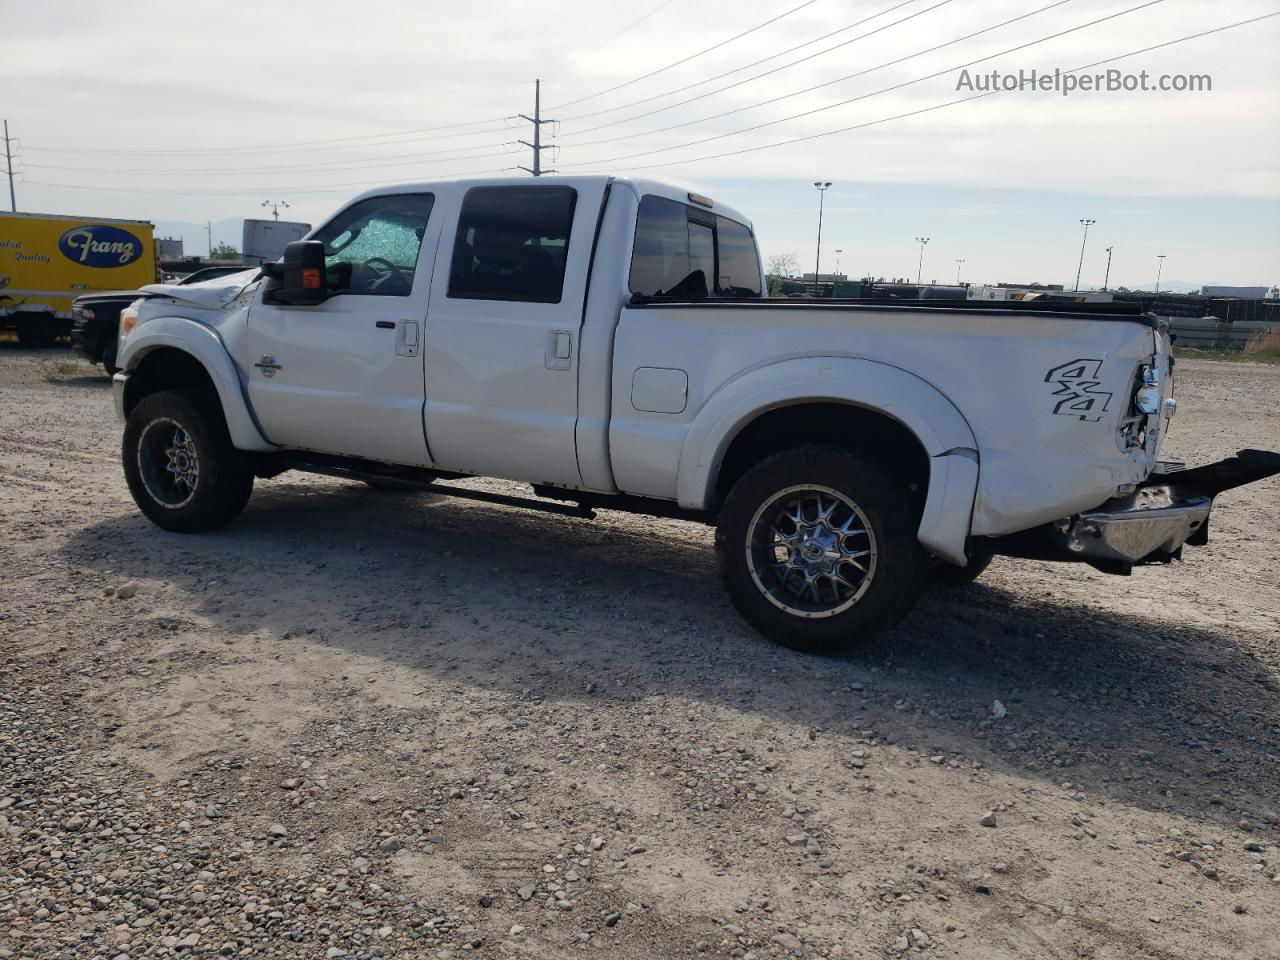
<point x="1149" y="525"/>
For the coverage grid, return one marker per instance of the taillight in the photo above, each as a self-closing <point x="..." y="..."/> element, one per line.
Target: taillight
<point x="1147" y="398"/>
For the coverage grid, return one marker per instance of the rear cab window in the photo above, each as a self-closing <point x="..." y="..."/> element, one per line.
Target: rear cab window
<point x="512" y="244"/>
<point x="687" y="252"/>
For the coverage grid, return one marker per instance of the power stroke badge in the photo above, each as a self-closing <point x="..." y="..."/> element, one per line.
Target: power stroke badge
<point x="1076" y="390"/>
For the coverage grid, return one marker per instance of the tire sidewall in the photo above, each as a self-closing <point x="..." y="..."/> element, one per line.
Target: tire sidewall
<point x="901" y="563"/>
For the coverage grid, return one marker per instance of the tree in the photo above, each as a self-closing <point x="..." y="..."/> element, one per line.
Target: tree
<point x="781" y="265"/>
<point x="224" y="251"/>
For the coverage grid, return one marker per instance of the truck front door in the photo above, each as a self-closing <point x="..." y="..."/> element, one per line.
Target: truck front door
<point x="502" y="332"/>
<point x="345" y="376"/>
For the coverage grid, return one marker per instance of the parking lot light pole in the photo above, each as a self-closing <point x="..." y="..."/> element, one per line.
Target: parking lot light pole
<point x="1159" y="269"/>
<point x="823" y="186"/>
<point x="959" y="261"/>
<point x="920" y="265"/>
<point x="1107" y="278"/>
<point x="1080" y="267"/>
<point x="838" y="252"/>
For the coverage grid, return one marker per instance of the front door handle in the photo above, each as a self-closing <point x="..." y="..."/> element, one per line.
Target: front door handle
<point x="407" y="339"/>
<point x="559" y="355"/>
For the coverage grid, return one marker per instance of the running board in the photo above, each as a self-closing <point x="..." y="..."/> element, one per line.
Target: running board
<point x="418" y="478"/>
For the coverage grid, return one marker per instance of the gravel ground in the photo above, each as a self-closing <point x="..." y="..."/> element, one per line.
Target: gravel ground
<point x="356" y="724"/>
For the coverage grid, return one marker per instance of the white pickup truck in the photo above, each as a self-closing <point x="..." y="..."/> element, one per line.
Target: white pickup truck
<point x="610" y="341"/>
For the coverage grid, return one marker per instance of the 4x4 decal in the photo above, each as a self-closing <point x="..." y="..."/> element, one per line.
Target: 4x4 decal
<point x="1077" y="393"/>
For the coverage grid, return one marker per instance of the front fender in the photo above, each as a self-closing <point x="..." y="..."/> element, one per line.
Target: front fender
<point x="204" y="344"/>
<point x="940" y="428"/>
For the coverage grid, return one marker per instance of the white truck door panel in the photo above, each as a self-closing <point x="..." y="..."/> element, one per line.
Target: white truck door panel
<point x="345" y="376"/>
<point x="501" y="343"/>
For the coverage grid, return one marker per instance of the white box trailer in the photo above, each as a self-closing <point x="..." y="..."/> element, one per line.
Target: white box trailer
<point x="265" y="239"/>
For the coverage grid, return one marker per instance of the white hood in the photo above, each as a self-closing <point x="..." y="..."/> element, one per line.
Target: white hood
<point x="215" y="293"/>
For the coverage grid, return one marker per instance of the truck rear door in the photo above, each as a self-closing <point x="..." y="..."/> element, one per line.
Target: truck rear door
<point x="501" y="347"/>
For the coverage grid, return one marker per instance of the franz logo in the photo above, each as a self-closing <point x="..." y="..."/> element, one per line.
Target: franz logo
<point x="1077" y="393"/>
<point x="100" y="246"/>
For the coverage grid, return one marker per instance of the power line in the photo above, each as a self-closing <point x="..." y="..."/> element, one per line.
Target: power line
<point x="316" y="188"/>
<point x="766" y="73"/>
<point x="874" y="93"/>
<point x="746" y="66"/>
<point x="950" y="103"/>
<point x="817" y="86"/>
<point x="328" y="166"/>
<point x="612" y="37"/>
<point x="684" y="60"/>
<point x="295" y="146"/>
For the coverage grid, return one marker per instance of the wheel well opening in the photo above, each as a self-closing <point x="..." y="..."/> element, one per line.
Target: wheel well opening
<point x="867" y="432"/>
<point x="167" y="368"/>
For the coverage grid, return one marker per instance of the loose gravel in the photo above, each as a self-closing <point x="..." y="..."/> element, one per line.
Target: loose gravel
<point x="366" y="724"/>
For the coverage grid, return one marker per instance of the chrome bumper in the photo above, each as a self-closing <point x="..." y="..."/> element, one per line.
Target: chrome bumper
<point x="1151" y="524"/>
<point x="118" y="384"/>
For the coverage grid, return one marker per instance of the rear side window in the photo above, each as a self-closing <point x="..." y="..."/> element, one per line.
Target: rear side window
<point x="512" y="243"/>
<point x="682" y="251"/>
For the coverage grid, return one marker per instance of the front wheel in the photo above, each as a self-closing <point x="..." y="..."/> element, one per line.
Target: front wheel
<point x="818" y="550"/>
<point x="181" y="467"/>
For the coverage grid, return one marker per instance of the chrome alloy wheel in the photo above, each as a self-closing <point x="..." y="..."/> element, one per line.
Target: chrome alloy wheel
<point x="811" y="551"/>
<point x="168" y="463"/>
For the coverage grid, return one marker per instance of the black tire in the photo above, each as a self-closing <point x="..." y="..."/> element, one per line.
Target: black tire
<point x="867" y="500"/>
<point x="109" y="349"/>
<point x="184" y="431"/>
<point x="949" y="575"/>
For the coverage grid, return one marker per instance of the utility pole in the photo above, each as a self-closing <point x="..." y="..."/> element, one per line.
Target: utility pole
<point x="275" y="206"/>
<point x="1159" y="270"/>
<point x="1107" y="278"/>
<point x="1080" y="267"/>
<point x="958" y="263"/>
<point x="537" y="120"/>
<point x="208" y="227"/>
<point x="920" y="266"/>
<point x="823" y="186"/>
<point x="8" y="165"/>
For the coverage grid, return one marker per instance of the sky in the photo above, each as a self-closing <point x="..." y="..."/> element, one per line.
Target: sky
<point x="168" y="113"/>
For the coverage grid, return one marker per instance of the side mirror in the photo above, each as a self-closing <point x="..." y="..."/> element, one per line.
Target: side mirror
<point x="297" y="278"/>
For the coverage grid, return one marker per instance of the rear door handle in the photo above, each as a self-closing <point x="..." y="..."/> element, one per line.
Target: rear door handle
<point x="385" y="325"/>
<point x="559" y="354"/>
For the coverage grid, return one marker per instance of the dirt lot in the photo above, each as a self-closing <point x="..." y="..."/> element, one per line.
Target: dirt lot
<point x="357" y="724"/>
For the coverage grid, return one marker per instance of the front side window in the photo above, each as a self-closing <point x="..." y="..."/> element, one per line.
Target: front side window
<point x="512" y="244"/>
<point x="371" y="248"/>
<point x="684" y="252"/>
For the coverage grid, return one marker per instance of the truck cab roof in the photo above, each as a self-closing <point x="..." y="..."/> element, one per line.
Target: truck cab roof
<point x="640" y="186"/>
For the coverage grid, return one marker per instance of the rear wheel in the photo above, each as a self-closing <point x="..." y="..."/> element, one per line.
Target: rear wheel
<point x="818" y="549"/>
<point x="181" y="467"/>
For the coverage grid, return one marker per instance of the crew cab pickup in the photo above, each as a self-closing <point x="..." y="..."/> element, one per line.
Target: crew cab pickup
<point x="608" y="341"/>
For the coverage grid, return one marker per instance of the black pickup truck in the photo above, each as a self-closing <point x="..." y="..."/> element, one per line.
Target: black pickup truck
<point x="95" y="317"/>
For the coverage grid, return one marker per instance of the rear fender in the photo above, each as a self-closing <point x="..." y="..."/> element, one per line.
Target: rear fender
<point x="204" y="344"/>
<point x="939" y="427"/>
